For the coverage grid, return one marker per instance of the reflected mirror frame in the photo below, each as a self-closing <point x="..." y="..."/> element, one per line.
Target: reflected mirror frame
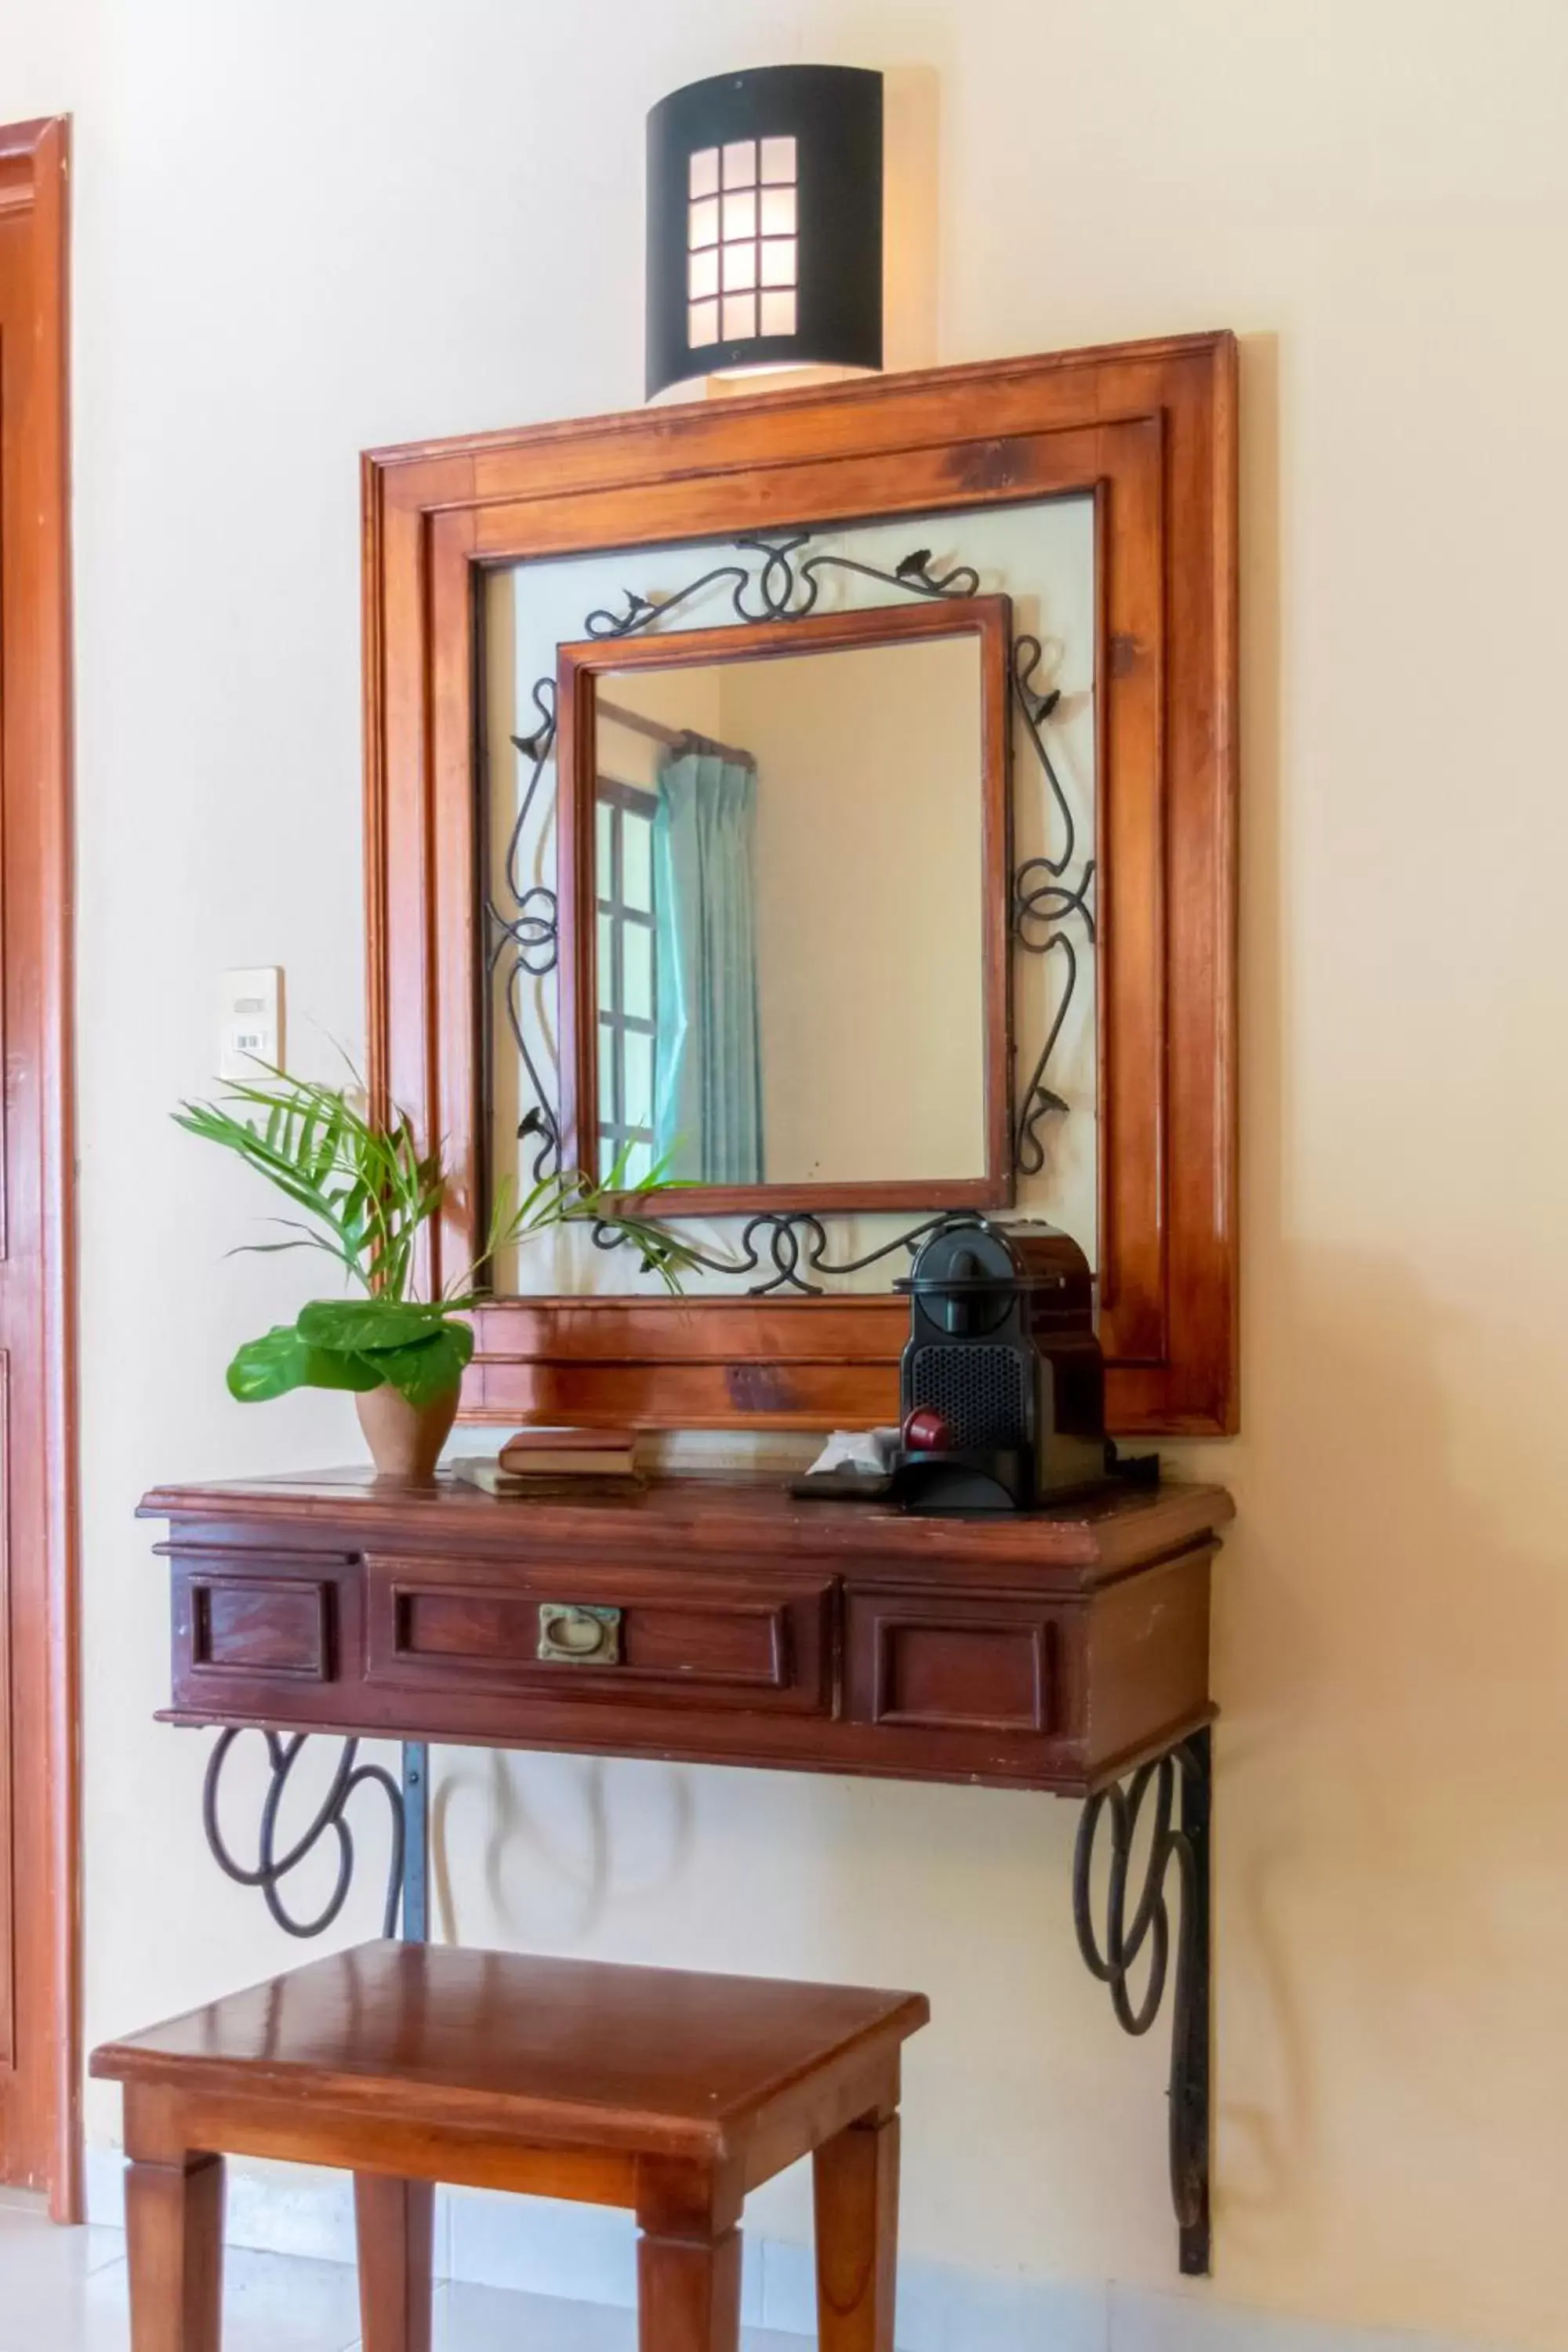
<point x="580" y="666"/>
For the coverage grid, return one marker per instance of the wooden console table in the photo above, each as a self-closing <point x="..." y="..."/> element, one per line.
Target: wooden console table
<point x="718" y="1621"/>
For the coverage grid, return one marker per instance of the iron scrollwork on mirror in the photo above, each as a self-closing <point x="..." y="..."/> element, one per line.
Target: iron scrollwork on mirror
<point x="773" y="586"/>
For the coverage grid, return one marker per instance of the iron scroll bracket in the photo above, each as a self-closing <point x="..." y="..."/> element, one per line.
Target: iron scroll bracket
<point x="1136" y="1929"/>
<point x="407" y="1869"/>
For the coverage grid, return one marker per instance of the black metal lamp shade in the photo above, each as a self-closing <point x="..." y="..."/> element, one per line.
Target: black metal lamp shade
<point x="765" y="223"/>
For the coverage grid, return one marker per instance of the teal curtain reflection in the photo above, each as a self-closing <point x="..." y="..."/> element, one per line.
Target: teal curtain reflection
<point x="708" y="1094"/>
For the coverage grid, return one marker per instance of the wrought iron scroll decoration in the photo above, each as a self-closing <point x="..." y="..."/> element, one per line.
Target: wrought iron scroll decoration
<point x="272" y="1867"/>
<point x="533" y="932"/>
<point x="1133" y="1929"/>
<point x="793" y="1239"/>
<point x="1046" y="896"/>
<point x="1045" y="900"/>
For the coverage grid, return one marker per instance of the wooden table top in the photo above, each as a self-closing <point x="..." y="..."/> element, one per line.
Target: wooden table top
<point x="655" y="2061"/>
<point x="1093" y="1536"/>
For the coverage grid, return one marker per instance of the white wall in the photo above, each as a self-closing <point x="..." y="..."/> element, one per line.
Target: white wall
<point x="320" y="223"/>
<point x="870" y="908"/>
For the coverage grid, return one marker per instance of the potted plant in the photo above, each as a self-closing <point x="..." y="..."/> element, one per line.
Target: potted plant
<point x="364" y="1190"/>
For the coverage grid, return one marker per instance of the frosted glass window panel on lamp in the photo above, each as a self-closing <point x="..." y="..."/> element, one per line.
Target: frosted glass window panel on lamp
<point x="741" y="234"/>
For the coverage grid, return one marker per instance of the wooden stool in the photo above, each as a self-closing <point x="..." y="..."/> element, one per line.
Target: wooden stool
<point x="409" y="2063"/>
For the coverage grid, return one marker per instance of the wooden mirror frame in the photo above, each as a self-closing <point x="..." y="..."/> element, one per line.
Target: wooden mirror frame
<point x="578" y="670"/>
<point x="1148" y="430"/>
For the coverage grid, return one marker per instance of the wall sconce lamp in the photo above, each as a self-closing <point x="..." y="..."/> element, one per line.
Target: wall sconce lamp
<point x="764" y="224"/>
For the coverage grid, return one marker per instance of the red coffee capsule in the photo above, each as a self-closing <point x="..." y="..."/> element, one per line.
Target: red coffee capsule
<point x="925" y="1431"/>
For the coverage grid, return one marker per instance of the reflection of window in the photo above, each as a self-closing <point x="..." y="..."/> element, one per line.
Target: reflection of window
<point x="741" y="263"/>
<point x="628" y="998"/>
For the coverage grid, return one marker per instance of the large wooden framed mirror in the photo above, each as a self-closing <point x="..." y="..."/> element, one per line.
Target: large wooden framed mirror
<point x="643" y="695"/>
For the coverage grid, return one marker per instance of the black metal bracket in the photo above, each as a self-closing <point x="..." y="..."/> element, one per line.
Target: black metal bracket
<point x="1179" y="1837"/>
<point x="407" y="1873"/>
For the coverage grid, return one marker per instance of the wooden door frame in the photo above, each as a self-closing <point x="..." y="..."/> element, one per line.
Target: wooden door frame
<point x="43" y="2108"/>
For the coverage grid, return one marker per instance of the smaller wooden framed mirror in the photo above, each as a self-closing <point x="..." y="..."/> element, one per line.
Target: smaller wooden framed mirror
<point x="783" y="876"/>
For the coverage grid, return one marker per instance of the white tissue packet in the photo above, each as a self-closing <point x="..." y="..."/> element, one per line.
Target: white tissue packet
<point x="869" y="1452"/>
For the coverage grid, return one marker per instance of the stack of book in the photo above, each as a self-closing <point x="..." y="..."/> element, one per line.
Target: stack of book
<point x="558" y="1462"/>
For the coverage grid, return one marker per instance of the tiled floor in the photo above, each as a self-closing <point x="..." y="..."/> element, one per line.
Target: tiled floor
<point x="64" y="2291"/>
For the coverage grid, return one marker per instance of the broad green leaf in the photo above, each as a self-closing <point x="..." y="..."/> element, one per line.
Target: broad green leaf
<point x="371" y="1323"/>
<point x="429" y="1367"/>
<point x="270" y="1366"/>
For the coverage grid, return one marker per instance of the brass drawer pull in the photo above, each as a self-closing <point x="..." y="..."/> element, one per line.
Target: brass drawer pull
<point x="573" y="1635"/>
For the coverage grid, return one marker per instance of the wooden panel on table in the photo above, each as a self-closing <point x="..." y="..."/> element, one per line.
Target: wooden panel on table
<point x="758" y="1640"/>
<point x="261" y="1624"/>
<point x="1148" y="1660"/>
<point x="951" y="1664"/>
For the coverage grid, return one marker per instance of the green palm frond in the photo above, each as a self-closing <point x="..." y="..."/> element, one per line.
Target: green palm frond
<point x="363" y="1193"/>
<point x="364" y="1190"/>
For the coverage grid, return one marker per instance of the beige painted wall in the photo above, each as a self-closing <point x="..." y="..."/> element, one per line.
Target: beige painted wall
<point x="673" y="697"/>
<point x="305" y="228"/>
<point x="870" y="914"/>
<point x="865" y="844"/>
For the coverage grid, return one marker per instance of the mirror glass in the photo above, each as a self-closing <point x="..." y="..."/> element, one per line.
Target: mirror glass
<point x="866" y="930"/>
<point x="789" y="957"/>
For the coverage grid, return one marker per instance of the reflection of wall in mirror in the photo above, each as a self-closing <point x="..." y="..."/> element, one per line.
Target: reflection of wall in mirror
<point x="676" y="698"/>
<point x="869" y="909"/>
<point x="868" y="894"/>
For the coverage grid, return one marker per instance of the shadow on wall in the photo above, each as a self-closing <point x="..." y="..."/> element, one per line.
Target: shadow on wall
<point x="551" y="1828"/>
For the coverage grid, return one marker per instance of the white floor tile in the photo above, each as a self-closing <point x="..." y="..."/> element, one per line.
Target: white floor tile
<point x="65" y="2290"/>
<point x="271" y="2304"/>
<point x="46" y="2278"/>
<point x="1144" y="2320"/>
<point x="497" y="2319"/>
<point x="31" y="2247"/>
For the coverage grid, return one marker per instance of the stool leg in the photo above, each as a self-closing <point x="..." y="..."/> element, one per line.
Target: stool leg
<point x="688" y="2294"/>
<point x="396" y="2224"/>
<point x="174" y="2221"/>
<point x="855" y="2181"/>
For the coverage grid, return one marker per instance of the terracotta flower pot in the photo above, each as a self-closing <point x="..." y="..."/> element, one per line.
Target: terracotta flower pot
<point x="405" y="1440"/>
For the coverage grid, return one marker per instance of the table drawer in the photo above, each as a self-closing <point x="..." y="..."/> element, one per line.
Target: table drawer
<point x="242" y="1617"/>
<point x="924" y="1663"/>
<point x="671" y="1637"/>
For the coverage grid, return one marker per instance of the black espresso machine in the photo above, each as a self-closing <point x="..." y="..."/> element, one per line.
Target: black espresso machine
<point x="1002" y="1388"/>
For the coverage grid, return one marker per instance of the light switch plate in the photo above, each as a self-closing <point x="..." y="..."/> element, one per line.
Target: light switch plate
<point x="250" y="1023"/>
